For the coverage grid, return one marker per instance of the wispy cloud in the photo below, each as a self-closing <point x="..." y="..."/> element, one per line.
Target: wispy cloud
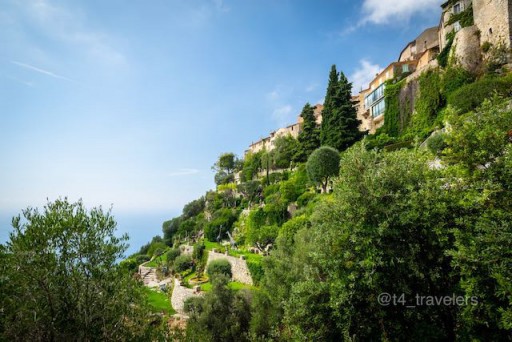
<point x="70" y="27"/>
<point x="221" y="6"/>
<point x="387" y="11"/>
<point x="311" y="87"/>
<point x="282" y="115"/>
<point x="41" y="71"/>
<point x="362" y="76"/>
<point x="183" y="172"/>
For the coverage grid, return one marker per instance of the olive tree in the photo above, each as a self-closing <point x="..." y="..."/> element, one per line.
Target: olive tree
<point x="60" y="278"/>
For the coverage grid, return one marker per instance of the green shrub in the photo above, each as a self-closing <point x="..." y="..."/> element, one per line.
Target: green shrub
<point x="472" y="95"/>
<point x="173" y="254"/>
<point x="454" y="78"/>
<point x="182" y="263"/>
<point x="304" y="199"/>
<point x="198" y="251"/>
<point x="256" y="270"/>
<point x="486" y="46"/>
<point x="392" y="113"/>
<point x="221" y="266"/>
<point x="270" y="190"/>
<point x="437" y="143"/>
<point x="442" y="58"/>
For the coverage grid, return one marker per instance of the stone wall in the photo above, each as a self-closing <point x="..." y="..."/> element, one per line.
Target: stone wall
<point x="492" y="17"/>
<point x="466" y="49"/>
<point x="179" y="295"/>
<point x="238" y="267"/>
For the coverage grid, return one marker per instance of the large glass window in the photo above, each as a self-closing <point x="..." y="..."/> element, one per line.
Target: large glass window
<point x="379" y="108"/>
<point x="457" y="8"/>
<point x="374" y="96"/>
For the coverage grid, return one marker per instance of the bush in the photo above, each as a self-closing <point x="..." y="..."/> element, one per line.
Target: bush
<point x="173" y="254"/>
<point x="182" y="263"/>
<point x="221" y="266"/>
<point x="472" y="95"/>
<point x="322" y="165"/>
<point x="304" y="199"/>
<point x="454" y="78"/>
<point x="156" y="248"/>
<point x="198" y="251"/>
<point x="437" y="143"/>
<point x="256" y="271"/>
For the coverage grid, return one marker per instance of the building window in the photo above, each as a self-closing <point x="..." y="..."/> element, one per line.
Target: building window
<point x="456" y="26"/>
<point x="374" y="96"/>
<point x="405" y="68"/>
<point x="457" y="8"/>
<point x="379" y="108"/>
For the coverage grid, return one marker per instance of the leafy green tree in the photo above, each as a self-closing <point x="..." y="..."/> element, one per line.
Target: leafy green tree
<point x="309" y="136"/>
<point x="323" y="164"/>
<point x="340" y="126"/>
<point x="226" y="163"/>
<point x="221" y="315"/>
<point x="252" y="165"/>
<point x="222" y="221"/>
<point x="285" y="148"/>
<point x="193" y="208"/>
<point x="183" y="263"/>
<point x="221" y="266"/>
<point x="60" y="278"/>
<point x="385" y="230"/>
<point x="170" y="228"/>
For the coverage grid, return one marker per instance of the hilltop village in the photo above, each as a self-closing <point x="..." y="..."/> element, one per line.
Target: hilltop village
<point x="384" y="215"/>
<point x="474" y="28"/>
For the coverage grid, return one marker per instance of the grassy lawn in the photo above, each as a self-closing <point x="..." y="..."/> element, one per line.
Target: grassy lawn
<point x="234" y="285"/>
<point x="159" y="301"/>
<point x="256" y="258"/>
<point x="162" y="259"/>
<point x="211" y="245"/>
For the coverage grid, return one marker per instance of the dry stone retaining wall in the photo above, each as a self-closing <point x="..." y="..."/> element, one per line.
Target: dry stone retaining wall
<point x="238" y="267"/>
<point x="179" y="295"/>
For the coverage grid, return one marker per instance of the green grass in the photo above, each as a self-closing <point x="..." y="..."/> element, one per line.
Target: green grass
<point x="159" y="301"/>
<point x="211" y="245"/>
<point x="162" y="259"/>
<point x="234" y="285"/>
<point x="252" y="257"/>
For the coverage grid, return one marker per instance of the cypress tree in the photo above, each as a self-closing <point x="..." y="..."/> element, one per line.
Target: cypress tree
<point x="309" y="136"/>
<point x="339" y="117"/>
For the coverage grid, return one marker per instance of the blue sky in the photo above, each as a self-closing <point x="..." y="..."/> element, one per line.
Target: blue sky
<point x="130" y="102"/>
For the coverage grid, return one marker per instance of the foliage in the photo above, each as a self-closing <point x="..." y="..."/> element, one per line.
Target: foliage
<point x="309" y="136"/>
<point x="284" y="149"/>
<point x="453" y="78"/>
<point x="222" y="177"/>
<point x="159" y="301"/>
<point x="221" y="315"/>
<point x="340" y="126"/>
<point x="252" y="165"/>
<point x="392" y="120"/>
<point x="60" y="279"/>
<point x="428" y="104"/>
<point x="322" y="165"/>
<point x="218" y="267"/>
<point x="251" y="190"/>
<point x="256" y="270"/>
<point x="193" y="208"/>
<point x="182" y="263"/>
<point x="465" y="18"/>
<point x="470" y="96"/>
<point x="444" y="55"/>
<point x="172" y="254"/>
<point x="222" y="221"/>
<point x="437" y="143"/>
<point x="170" y="228"/>
<point x="199" y="249"/>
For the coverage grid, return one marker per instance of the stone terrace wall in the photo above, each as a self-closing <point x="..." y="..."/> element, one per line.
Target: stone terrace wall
<point x="179" y="295"/>
<point x="238" y="267"/>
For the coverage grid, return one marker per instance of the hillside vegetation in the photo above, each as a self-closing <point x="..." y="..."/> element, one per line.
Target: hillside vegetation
<point x="420" y="211"/>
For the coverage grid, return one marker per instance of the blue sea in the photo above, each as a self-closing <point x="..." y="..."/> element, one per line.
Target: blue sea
<point x="141" y="227"/>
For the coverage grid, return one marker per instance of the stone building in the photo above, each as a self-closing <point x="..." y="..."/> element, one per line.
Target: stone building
<point x="371" y="101"/>
<point x="293" y="130"/>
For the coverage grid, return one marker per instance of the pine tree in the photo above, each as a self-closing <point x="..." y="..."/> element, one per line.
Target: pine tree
<point x="309" y="136"/>
<point x="339" y="118"/>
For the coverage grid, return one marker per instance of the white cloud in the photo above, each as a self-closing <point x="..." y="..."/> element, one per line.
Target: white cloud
<point x="70" y="28"/>
<point x="273" y="95"/>
<point x="363" y="75"/>
<point x="283" y="115"/>
<point x="386" y="11"/>
<point x="311" y="87"/>
<point x="41" y="71"/>
<point x="183" y="172"/>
